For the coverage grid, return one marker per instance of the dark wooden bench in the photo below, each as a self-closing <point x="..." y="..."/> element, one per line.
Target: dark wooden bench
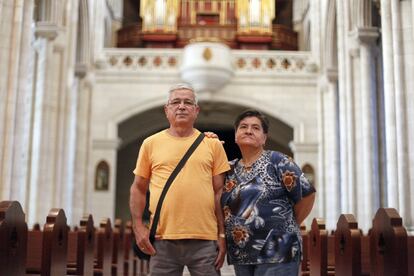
<point x="13" y="239"/>
<point x="127" y="249"/>
<point x="117" y="250"/>
<point x="388" y="241"/>
<point x="347" y="247"/>
<point x="410" y="243"/>
<point x="365" y="254"/>
<point x="304" y="266"/>
<point x="318" y="248"/>
<point x="47" y="249"/>
<point x="81" y="243"/>
<point x="103" y="249"/>
<point x="135" y="265"/>
<point x="321" y="250"/>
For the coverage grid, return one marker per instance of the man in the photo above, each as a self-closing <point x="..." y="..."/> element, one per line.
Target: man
<point x="191" y="228"/>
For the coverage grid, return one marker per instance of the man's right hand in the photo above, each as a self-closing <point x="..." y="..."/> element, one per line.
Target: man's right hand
<point x="142" y="239"/>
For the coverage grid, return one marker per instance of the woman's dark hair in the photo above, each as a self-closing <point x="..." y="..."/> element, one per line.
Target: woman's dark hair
<point x="253" y="113"/>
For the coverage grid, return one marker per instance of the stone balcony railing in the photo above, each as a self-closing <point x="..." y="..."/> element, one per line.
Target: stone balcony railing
<point x="243" y="61"/>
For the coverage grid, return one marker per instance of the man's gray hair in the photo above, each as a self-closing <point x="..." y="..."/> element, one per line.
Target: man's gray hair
<point x="180" y="86"/>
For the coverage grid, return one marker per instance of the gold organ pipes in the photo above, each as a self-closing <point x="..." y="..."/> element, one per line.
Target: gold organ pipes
<point x="255" y="16"/>
<point x="159" y="15"/>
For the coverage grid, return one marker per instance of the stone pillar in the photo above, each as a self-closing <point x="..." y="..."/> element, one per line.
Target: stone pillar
<point x="98" y="34"/>
<point x="328" y="185"/>
<point x="332" y="184"/>
<point x="15" y="97"/>
<point x="400" y="112"/>
<point x="389" y="100"/>
<point x="42" y="163"/>
<point x="368" y="199"/>
<point x="346" y="180"/>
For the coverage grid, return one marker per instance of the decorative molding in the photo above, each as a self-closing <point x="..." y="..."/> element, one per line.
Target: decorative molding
<point x="47" y="30"/>
<point x="144" y="61"/>
<point x="106" y="144"/>
<point x="332" y="74"/>
<point x="80" y="70"/>
<point x="303" y="147"/>
<point x="366" y="35"/>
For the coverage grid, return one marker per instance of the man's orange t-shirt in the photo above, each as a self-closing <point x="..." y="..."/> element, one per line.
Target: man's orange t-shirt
<point x="188" y="208"/>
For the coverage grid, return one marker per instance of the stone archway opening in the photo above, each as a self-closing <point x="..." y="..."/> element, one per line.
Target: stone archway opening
<point x="214" y="116"/>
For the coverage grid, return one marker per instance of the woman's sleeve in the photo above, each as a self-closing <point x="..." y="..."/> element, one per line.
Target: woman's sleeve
<point x="293" y="179"/>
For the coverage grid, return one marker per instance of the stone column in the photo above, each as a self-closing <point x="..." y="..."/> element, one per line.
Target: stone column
<point x="400" y="112"/>
<point x="389" y="100"/>
<point x="98" y="34"/>
<point x="331" y="156"/>
<point x="45" y="135"/>
<point x="15" y="99"/>
<point x="346" y="180"/>
<point x="369" y="198"/>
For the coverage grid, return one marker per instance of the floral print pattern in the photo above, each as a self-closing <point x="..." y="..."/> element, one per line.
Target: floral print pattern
<point x="258" y="210"/>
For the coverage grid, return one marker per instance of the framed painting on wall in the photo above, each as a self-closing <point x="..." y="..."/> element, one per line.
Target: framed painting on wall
<point x="102" y="176"/>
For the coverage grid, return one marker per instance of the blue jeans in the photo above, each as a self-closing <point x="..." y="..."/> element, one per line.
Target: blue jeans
<point x="282" y="269"/>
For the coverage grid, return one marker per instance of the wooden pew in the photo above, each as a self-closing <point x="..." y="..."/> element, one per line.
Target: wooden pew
<point x="117" y="250"/>
<point x="127" y="252"/>
<point x="318" y="248"/>
<point x="304" y="267"/>
<point x="347" y="247"/>
<point x="388" y="240"/>
<point x="13" y="239"/>
<point x="103" y="249"/>
<point x="47" y="249"/>
<point x="365" y="254"/>
<point x="331" y="254"/>
<point x="81" y="248"/>
<point x="410" y="243"/>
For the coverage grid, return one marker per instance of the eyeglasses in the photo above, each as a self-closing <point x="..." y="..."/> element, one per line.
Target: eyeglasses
<point x="177" y="102"/>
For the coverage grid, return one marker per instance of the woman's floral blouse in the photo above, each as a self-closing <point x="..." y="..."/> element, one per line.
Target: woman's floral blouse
<point x="258" y="210"/>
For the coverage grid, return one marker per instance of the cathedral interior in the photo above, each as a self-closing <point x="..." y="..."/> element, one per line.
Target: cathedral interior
<point x="84" y="82"/>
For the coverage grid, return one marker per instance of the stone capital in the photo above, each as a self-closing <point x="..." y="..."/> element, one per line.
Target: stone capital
<point x="297" y="147"/>
<point x="80" y="70"/>
<point x="332" y="74"/>
<point x="47" y="30"/>
<point x="106" y="144"/>
<point x="365" y="35"/>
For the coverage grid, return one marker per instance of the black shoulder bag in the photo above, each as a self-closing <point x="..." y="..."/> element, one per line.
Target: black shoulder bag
<point x="177" y="169"/>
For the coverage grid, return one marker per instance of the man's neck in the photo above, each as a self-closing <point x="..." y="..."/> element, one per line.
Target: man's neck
<point x="180" y="131"/>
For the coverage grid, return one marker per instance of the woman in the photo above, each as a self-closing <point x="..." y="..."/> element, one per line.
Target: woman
<point x="265" y="199"/>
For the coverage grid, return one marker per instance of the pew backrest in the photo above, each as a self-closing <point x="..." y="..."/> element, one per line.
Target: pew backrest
<point x="318" y="245"/>
<point x="103" y="253"/>
<point x="81" y="248"/>
<point x="47" y="249"/>
<point x="347" y="247"/>
<point x="13" y="239"/>
<point x="388" y="240"/>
